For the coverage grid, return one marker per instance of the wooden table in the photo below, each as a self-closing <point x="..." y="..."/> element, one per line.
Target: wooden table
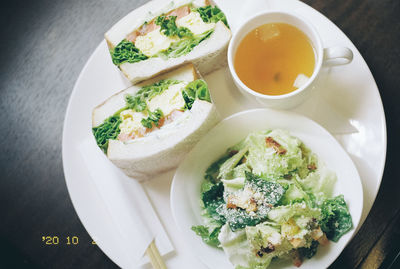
<point x="45" y="44"/>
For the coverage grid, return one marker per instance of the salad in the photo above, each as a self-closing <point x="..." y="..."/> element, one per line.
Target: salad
<point x="269" y="197"/>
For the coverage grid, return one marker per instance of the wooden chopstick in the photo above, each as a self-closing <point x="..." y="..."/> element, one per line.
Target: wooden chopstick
<point x="155" y="257"/>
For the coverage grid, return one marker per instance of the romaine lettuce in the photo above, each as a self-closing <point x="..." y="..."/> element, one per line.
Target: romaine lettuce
<point x="213" y="200"/>
<point x="282" y="214"/>
<point x="226" y="169"/>
<point x="336" y="219"/>
<point x="270" y="193"/>
<point x="265" y="161"/>
<point x="210" y="238"/>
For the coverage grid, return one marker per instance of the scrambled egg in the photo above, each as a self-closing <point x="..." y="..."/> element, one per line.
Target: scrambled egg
<point x="195" y="24"/>
<point x="154" y="42"/>
<point x="131" y="121"/>
<point x="171" y="99"/>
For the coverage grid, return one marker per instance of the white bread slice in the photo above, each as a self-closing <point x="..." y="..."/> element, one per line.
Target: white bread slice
<point x="163" y="149"/>
<point x="208" y="56"/>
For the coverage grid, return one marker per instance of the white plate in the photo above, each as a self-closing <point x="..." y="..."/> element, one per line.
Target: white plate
<point x="185" y="191"/>
<point x="348" y="97"/>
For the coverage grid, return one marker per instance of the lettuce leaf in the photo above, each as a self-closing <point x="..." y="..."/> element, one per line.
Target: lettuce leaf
<point x="137" y="101"/>
<point x="213" y="200"/>
<point x="232" y="185"/>
<point x="126" y="51"/>
<point x="235" y="246"/>
<point x="240" y="170"/>
<point x="212" y="14"/>
<point x="282" y="214"/>
<point x="184" y="46"/>
<point x="226" y="169"/>
<point x="197" y="89"/>
<point x="309" y="252"/>
<point x="271" y="191"/>
<point x="169" y="28"/>
<point x="336" y="219"/>
<point x="109" y="129"/>
<point x="238" y="218"/>
<point x="322" y="180"/>
<point x="265" y="161"/>
<point x="213" y="170"/>
<point x="210" y="238"/>
<point x="292" y="195"/>
<point x="152" y="119"/>
<point x="259" y="237"/>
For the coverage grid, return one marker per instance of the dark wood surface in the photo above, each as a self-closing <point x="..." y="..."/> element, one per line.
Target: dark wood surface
<point x="44" y="46"/>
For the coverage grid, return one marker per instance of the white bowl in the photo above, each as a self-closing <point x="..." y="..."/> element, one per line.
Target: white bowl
<point x="328" y="56"/>
<point x="185" y="191"/>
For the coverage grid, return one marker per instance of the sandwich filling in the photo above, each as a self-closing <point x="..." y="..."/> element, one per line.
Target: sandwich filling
<point x="169" y="35"/>
<point x="151" y="108"/>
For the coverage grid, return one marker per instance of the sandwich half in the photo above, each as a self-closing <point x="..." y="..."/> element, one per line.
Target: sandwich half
<point x="161" y="35"/>
<point x="147" y="128"/>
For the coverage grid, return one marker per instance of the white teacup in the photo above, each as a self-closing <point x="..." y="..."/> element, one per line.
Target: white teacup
<point x="323" y="57"/>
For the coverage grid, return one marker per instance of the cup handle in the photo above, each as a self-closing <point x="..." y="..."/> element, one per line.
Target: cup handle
<point x="337" y="56"/>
